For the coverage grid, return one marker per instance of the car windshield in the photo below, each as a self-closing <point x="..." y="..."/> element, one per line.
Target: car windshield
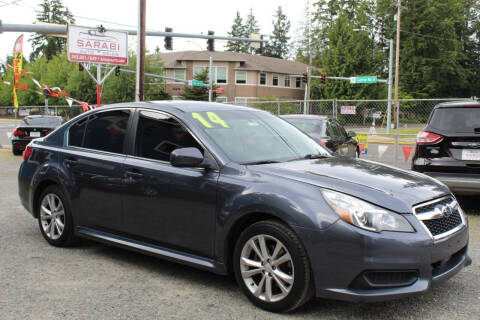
<point x="308" y="125"/>
<point x="250" y="137"/>
<point x="43" y="121"/>
<point x="460" y="120"/>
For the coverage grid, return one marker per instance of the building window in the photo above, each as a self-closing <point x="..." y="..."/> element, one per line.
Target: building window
<point x="198" y="69"/>
<point x="179" y="74"/>
<point x="220" y="74"/>
<point x="241" y="101"/>
<point x="241" y="77"/>
<point x="275" y="80"/>
<point x="221" y="99"/>
<point x="263" y="78"/>
<point x="298" y="82"/>
<point x="287" y="81"/>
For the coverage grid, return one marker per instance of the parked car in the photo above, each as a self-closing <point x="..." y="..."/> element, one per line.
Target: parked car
<point x="235" y="189"/>
<point x="448" y="148"/>
<point x="328" y="132"/>
<point x="33" y="127"/>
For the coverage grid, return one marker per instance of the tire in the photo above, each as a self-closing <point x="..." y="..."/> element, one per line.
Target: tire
<point x="53" y="197"/>
<point x="16" y="152"/>
<point x="261" y="279"/>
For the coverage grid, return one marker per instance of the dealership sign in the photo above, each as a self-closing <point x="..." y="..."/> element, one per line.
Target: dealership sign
<point x="91" y="45"/>
<point x="348" y="110"/>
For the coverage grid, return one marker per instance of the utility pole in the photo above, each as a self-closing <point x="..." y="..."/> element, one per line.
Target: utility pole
<point x="397" y="64"/>
<point x="140" y="77"/>
<point x="309" y="69"/>
<point x="210" y="79"/>
<point x="389" y="104"/>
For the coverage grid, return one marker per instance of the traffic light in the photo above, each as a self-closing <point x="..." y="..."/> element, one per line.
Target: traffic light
<point x="47" y="93"/>
<point x="323" y="78"/>
<point x="304" y="77"/>
<point x="211" y="42"/>
<point x="168" y="40"/>
<point x="117" y="71"/>
<point x="80" y="67"/>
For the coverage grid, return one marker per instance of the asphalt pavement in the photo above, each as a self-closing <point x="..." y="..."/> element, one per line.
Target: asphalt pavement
<point x="95" y="281"/>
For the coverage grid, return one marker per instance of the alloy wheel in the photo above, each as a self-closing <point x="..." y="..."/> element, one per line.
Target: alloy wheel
<point x="267" y="268"/>
<point x="52" y="216"/>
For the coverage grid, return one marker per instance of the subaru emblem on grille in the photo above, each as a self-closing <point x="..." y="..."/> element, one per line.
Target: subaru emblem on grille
<point x="447" y="211"/>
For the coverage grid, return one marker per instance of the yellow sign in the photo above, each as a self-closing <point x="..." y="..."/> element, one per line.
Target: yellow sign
<point x="362" y="139"/>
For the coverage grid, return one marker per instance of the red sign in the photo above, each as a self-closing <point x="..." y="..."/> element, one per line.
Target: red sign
<point x="221" y="90"/>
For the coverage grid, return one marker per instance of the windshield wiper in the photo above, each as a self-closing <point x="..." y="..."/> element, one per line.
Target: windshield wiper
<point x="260" y="162"/>
<point x="315" y="156"/>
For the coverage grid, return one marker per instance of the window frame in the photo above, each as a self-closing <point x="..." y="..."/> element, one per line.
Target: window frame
<point x="236" y="77"/>
<point x="298" y="82"/>
<point x="215" y="73"/>
<point x="184" y="74"/>
<point x="285" y="80"/>
<point x="133" y="139"/>
<point x="277" y="77"/>
<point x="126" y="141"/>
<point x="260" y="79"/>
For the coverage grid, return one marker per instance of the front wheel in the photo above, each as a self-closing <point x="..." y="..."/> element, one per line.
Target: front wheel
<point x="272" y="268"/>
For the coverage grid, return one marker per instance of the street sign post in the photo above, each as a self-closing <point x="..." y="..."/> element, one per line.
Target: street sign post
<point x="195" y="83"/>
<point x="364" y="79"/>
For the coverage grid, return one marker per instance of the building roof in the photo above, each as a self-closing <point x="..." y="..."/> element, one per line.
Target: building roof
<point x="247" y="61"/>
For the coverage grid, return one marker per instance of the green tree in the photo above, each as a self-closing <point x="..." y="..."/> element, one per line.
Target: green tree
<point x="197" y="93"/>
<point x="238" y="30"/>
<point x="278" y="46"/>
<point x="251" y="26"/>
<point x="51" y="11"/>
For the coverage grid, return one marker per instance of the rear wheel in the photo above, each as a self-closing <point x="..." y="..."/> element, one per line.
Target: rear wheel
<point x="272" y="268"/>
<point x="54" y="217"/>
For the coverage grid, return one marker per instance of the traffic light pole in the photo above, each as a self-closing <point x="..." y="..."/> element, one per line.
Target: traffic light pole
<point x="210" y="79"/>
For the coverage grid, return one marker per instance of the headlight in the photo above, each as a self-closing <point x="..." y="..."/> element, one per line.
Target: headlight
<point x="365" y="215"/>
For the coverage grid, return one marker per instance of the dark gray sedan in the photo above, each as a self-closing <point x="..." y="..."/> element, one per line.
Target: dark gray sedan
<point x="328" y="132"/>
<point x="237" y="190"/>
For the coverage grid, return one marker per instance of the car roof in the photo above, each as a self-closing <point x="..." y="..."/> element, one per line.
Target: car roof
<point x="457" y="104"/>
<point x="194" y="106"/>
<point x="304" y="116"/>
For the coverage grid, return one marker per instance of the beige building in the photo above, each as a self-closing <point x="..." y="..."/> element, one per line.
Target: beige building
<point x="243" y="77"/>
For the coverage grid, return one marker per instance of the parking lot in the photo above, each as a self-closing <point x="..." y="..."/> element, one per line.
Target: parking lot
<point x="94" y="281"/>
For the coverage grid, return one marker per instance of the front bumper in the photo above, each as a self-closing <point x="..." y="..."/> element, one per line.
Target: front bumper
<point x="459" y="183"/>
<point x="342" y="254"/>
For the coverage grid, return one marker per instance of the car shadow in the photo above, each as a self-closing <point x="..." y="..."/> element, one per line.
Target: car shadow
<point x="417" y="307"/>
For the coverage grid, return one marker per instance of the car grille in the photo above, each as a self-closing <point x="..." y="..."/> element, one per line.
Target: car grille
<point x="441" y="217"/>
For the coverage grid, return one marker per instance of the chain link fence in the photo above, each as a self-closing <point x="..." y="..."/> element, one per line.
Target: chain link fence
<point x="64" y="111"/>
<point x="368" y="118"/>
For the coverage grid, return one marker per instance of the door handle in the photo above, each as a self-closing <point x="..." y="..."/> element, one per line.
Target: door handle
<point x="70" y="161"/>
<point x="135" y="174"/>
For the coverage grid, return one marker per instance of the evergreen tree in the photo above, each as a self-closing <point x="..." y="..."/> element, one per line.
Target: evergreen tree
<point x="238" y="30"/>
<point x="197" y="93"/>
<point x="52" y="11"/>
<point x="251" y="26"/>
<point x="278" y="46"/>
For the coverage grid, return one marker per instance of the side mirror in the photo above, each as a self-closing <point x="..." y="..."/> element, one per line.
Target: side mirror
<point x="351" y="134"/>
<point x="186" y="157"/>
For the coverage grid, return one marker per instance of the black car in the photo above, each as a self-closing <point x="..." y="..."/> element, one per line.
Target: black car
<point x="328" y="132"/>
<point x="448" y="148"/>
<point x="237" y="190"/>
<point x="33" y="127"/>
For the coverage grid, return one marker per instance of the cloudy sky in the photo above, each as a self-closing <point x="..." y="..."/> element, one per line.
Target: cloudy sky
<point x="185" y="16"/>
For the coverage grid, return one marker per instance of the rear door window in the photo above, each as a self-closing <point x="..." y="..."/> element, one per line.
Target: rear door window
<point x="103" y="131"/>
<point x="159" y="134"/>
<point x="460" y="120"/>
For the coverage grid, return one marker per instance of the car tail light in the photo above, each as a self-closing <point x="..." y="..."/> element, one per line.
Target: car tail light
<point x="17" y="132"/>
<point x="48" y="132"/>
<point x="28" y="152"/>
<point x="425" y="137"/>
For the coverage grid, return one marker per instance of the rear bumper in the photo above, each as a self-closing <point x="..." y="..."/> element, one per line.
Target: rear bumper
<point x="460" y="183"/>
<point x="343" y="254"/>
<point x="20" y="144"/>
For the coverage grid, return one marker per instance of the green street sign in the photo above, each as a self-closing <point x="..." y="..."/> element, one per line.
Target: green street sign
<point x="365" y="79"/>
<point x="196" y="83"/>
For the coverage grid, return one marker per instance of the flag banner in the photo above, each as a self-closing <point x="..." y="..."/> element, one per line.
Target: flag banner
<point x="381" y="150"/>
<point x="406" y="152"/>
<point x="17" y="67"/>
<point x="69" y="101"/>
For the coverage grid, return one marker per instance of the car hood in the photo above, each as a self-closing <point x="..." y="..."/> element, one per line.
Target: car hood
<point x="386" y="186"/>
